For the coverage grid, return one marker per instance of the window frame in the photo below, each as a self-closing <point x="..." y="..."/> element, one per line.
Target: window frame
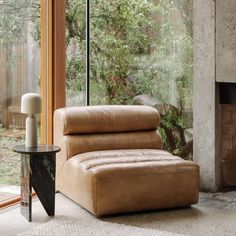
<point x="53" y="63"/>
<point x="53" y="71"/>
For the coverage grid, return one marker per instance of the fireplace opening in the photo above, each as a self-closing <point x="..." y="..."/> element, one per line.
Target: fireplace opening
<point x="227" y="99"/>
<point x="227" y="93"/>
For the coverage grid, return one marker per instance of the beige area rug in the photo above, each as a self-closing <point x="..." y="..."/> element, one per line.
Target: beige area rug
<point x="214" y="215"/>
<point x="69" y="226"/>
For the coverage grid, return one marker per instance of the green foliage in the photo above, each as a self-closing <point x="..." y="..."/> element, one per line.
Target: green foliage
<point x="137" y="47"/>
<point x="35" y="21"/>
<point x="173" y="53"/>
<point x="10" y="161"/>
<point x="119" y="32"/>
<point x="164" y="138"/>
<point x="172" y="131"/>
<point x="13" y="15"/>
<point x="172" y="119"/>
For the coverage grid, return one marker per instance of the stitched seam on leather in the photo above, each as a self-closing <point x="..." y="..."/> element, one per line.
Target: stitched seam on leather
<point x="137" y="157"/>
<point x="96" y="197"/>
<point x="115" y="160"/>
<point x="163" y="173"/>
<point x="127" y="162"/>
<point x="121" y="156"/>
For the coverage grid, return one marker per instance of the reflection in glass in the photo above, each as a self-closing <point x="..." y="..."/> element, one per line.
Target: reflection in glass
<point x="20" y="73"/>
<point x="76" y="52"/>
<point x="140" y="53"/>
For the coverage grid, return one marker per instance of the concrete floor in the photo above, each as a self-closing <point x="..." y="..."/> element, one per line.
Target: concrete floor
<point x="214" y="215"/>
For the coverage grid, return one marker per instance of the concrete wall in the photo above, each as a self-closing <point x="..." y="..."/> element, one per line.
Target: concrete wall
<point x="214" y="26"/>
<point x="226" y="41"/>
<point x="204" y="93"/>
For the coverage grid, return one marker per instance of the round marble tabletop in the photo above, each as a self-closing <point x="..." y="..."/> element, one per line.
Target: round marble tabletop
<point x="43" y="148"/>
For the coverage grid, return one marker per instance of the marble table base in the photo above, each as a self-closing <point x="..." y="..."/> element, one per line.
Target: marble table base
<point x="37" y="171"/>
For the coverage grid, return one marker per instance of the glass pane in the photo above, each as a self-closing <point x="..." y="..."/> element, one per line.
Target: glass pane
<point x="20" y="73"/>
<point x="141" y="53"/>
<point x="76" y="52"/>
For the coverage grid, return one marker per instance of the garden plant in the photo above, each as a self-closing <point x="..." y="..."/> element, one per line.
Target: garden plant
<point x="137" y="47"/>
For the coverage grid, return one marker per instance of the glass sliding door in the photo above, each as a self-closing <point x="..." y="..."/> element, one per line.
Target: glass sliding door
<point x="136" y="48"/>
<point x="20" y="73"/>
<point x="123" y="39"/>
<point x="140" y="48"/>
<point x="140" y="53"/>
<point x="76" y="53"/>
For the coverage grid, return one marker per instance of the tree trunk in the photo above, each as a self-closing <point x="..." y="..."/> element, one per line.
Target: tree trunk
<point x="8" y="88"/>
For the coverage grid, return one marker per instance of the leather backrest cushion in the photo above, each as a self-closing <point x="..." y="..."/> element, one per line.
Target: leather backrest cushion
<point x="76" y="144"/>
<point x="107" y="119"/>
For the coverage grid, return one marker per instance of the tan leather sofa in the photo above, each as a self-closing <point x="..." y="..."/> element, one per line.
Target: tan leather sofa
<point x="111" y="161"/>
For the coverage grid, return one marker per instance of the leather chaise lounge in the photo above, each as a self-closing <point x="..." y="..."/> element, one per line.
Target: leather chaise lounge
<point x="111" y="161"/>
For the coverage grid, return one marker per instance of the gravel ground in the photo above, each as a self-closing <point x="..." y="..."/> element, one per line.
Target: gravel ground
<point x="9" y="161"/>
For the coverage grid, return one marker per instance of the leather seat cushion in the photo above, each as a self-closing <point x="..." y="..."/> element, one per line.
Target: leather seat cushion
<point x="107" y="182"/>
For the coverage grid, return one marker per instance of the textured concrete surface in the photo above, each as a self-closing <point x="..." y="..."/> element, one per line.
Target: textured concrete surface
<point x="225" y="41"/>
<point x="220" y="200"/>
<point x="204" y="119"/>
<point x="213" y="215"/>
<point x="214" y="52"/>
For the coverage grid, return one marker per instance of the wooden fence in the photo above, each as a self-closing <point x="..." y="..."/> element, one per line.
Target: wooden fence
<point x="19" y="66"/>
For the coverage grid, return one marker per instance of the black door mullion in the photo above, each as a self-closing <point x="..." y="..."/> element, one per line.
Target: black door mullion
<point x="87" y="52"/>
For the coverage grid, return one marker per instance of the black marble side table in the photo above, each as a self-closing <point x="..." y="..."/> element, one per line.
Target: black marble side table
<point x="37" y="171"/>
